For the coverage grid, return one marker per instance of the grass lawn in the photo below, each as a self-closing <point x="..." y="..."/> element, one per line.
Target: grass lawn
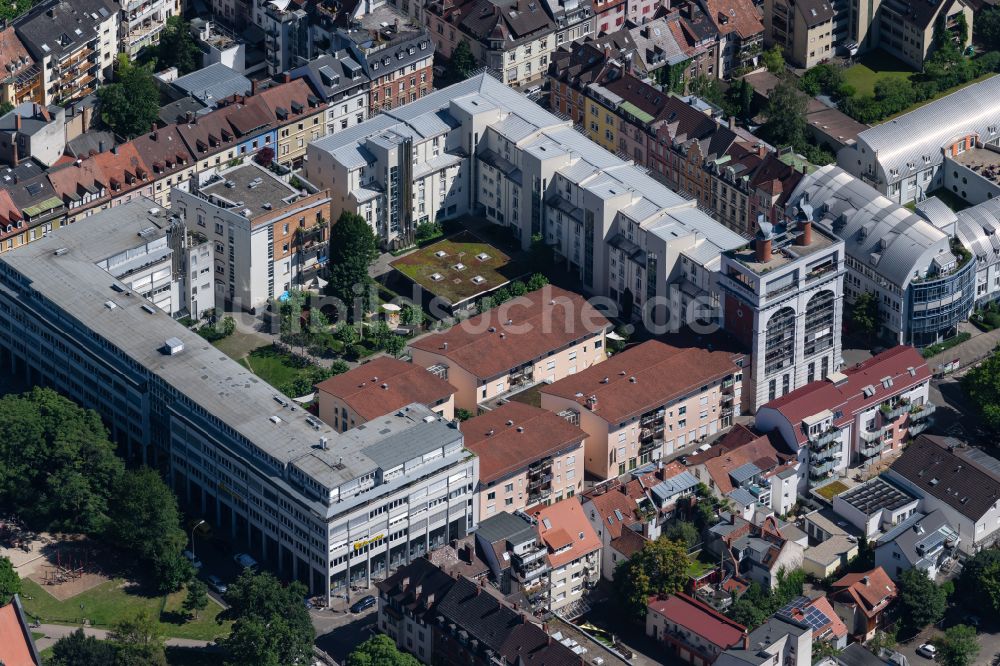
<point x="697" y="568"/>
<point x="458" y="284"/>
<point x="950" y="199"/>
<point x="271" y="365"/>
<point x="873" y="66"/>
<point x="112" y="601"/>
<point x="831" y="490"/>
<point x="238" y="345"/>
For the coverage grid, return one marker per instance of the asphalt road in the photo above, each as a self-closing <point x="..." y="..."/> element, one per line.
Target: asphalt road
<point x="339" y="632"/>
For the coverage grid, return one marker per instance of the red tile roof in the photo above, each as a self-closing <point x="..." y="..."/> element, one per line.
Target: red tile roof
<point x="163" y="150"/>
<point x="644" y="377"/>
<point x="541" y="321"/>
<point x="13" y="56"/>
<point x="532" y="434"/>
<point x="9" y="212"/>
<point x="629" y="543"/>
<point x="384" y="385"/>
<point x="700" y="619"/>
<point x="740" y="16"/>
<point x="563" y="524"/>
<point x="739" y="447"/>
<point x="871" y="591"/>
<point x="847" y="397"/>
<point x="16" y="648"/>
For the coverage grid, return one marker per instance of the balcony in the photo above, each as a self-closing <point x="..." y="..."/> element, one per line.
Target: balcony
<point x="871" y="435"/>
<point x="650" y="445"/>
<point x="825" y="437"/>
<point x="821" y="470"/>
<point x="892" y="411"/>
<point x="871" y="450"/>
<point x="650" y="418"/>
<point x="828" y="453"/>
<point x="921" y="412"/>
<point x="527" y="558"/>
<point x="917" y="428"/>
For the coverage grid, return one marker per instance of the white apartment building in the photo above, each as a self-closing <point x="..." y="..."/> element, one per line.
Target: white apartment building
<point x="342" y="84"/>
<point x="478" y="147"/>
<point x="318" y="506"/>
<point x="143" y="20"/>
<point x="268" y="236"/>
<point x="784" y="299"/>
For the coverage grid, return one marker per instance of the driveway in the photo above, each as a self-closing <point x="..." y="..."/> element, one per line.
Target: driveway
<point x="988" y="636"/>
<point x="338" y="633"/>
<point x="53" y="632"/>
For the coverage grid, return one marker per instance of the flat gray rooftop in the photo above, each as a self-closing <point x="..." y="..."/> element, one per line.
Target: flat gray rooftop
<point x="876" y="495"/>
<point x="254" y="191"/>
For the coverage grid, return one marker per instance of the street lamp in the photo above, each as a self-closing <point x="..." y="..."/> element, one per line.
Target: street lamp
<point x="193" y="528"/>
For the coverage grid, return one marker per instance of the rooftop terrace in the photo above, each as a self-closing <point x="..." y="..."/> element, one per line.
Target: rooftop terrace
<point x="250" y="190"/>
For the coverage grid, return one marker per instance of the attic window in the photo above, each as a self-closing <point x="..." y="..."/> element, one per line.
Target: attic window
<point x="868" y="391"/>
<point x="912" y="371"/>
<point x="887" y="382"/>
<point x="934" y="481"/>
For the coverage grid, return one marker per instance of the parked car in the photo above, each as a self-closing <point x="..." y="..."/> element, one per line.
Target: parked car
<point x="363" y="604"/>
<point x="216" y="584"/>
<point x="927" y="650"/>
<point x="189" y="556"/>
<point x="245" y="561"/>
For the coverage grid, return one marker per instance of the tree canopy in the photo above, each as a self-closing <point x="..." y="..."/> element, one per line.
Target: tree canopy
<point x="272" y="626"/>
<point x="131" y="105"/>
<point x="661" y="567"/>
<point x="138" y="641"/>
<point x="786" y="114"/>
<point x="958" y="646"/>
<point x="145" y="520"/>
<point x="979" y="584"/>
<point x="380" y="651"/>
<point x="757" y="603"/>
<point x="461" y="64"/>
<point x="10" y="582"/>
<point x="57" y="467"/>
<point x="982" y="385"/>
<point x="78" y="649"/>
<point x="864" y="314"/>
<point x="353" y="248"/>
<point x="177" y="47"/>
<point x="773" y="60"/>
<point x="922" y="602"/>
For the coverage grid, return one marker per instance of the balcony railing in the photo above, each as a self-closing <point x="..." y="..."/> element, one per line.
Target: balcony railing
<point x="871" y="450"/>
<point x="891" y="412"/>
<point x="871" y="435"/>
<point x="825" y="437"/>
<point x="920" y="412"/>
<point x="822" y="469"/>
<point x="918" y="427"/>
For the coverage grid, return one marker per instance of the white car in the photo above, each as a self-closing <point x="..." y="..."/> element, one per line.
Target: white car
<point x="244" y="560"/>
<point x="927" y="650"/>
<point x="189" y="556"/>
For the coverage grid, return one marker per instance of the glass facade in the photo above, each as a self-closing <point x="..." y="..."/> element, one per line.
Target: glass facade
<point x="936" y="305"/>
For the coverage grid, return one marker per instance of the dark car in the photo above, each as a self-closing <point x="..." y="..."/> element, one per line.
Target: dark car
<point x="363" y="604"/>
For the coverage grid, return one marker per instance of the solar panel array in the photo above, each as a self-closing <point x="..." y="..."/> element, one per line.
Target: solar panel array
<point x="812" y="616"/>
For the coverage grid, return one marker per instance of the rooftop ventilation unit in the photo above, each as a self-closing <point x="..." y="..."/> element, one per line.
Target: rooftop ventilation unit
<point x="173" y="346"/>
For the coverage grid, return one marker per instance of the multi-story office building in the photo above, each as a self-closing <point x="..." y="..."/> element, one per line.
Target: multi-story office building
<point x="379" y="387"/>
<point x="804" y="29"/>
<point x="783" y="300"/>
<point x="904" y="159"/>
<point x="924" y="281"/>
<point x="73" y="43"/>
<point x="142" y="21"/>
<point x="649" y="401"/>
<point x="269" y="237"/>
<point x="317" y="505"/>
<point x="527" y="456"/>
<point x="543" y="336"/>
<point x="479" y="147"/>
<point x="855" y="417"/>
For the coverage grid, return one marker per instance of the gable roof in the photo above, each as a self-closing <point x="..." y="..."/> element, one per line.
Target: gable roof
<point x="942" y="468"/>
<point x="844" y="393"/>
<point x="700" y="619"/>
<point x="739" y="455"/>
<point x="818" y="614"/>
<point x="515" y="435"/>
<point x="17" y="647"/>
<point x="564" y="526"/>
<point x="920" y="537"/>
<point x="644" y="377"/>
<point x="871" y="591"/>
<point x="384" y="385"/>
<point x="739" y="16"/>
<point x="541" y="321"/>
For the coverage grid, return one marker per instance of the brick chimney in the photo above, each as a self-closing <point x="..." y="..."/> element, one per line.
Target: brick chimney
<point x="253" y="87"/>
<point x="762" y="246"/>
<point x="286" y="77"/>
<point x="806" y="235"/>
<point x="17" y="122"/>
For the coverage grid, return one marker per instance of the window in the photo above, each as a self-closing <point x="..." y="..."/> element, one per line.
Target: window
<point x="492" y="495"/>
<point x="509" y="488"/>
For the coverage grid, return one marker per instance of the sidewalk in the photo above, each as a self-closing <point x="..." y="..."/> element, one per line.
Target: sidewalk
<point x="969" y="352"/>
<point x="53" y="632"/>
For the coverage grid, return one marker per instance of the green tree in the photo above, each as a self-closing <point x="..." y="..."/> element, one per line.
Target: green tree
<point x="707" y="88"/>
<point x="394" y="345"/>
<point x="347" y="334"/>
<point x="537" y="281"/>
<point x="986" y="28"/>
<point x="463" y="414"/>
<point x="982" y="385"/>
<point x="380" y="651"/>
<point x="10" y="582"/>
<point x="144" y="519"/>
<point x="130" y="105"/>
<point x="272" y="626"/>
<point x="339" y="367"/>
<point x="197" y="597"/>
<point x="177" y="47"/>
<point x="979" y="583"/>
<point x="921" y="601"/>
<point x="882" y="639"/>
<point x="773" y="60"/>
<point x="58" y="466"/>
<point x="5" y="107"/>
<point x="411" y="315"/>
<point x="786" y="114"/>
<point x="138" y="641"/>
<point x="661" y="567"/>
<point x="958" y="646"/>
<point x="864" y="314"/>
<point x="461" y="64"/>
<point x="78" y="649"/>
<point x="353" y="248"/>
<point x="739" y="99"/>
<point x="684" y="532"/>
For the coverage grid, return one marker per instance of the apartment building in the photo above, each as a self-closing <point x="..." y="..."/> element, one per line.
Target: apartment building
<point x="857" y="416"/>
<point x="923" y="541"/>
<point x="74" y="44"/>
<point x="142" y="21"/>
<point x="629" y="512"/>
<point x="342" y="83"/>
<point x="515" y="556"/>
<point x="691" y="631"/>
<point x="543" y="336"/>
<point x="319" y="506"/>
<point x="32" y="131"/>
<point x="379" y="387"/>
<point x="29" y="206"/>
<point x="862" y="599"/>
<point x="649" y="401"/>
<point x="684" y="35"/>
<point x="746" y="469"/>
<point x="925" y="282"/>
<point x="906" y="29"/>
<point x="946" y="474"/>
<point x="741" y="33"/>
<point x="802" y="28"/>
<point x="170" y="162"/>
<point x="20" y="75"/>
<point x="286" y="34"/>
<point x="527" y="456"/>
<point x="398" y="62"/>
<point x="783" y="299"/>
<point x="777" y="642"/>
<point x="269" y="237"/>
<point x="573" y="552"/>
<point x="101" y="181"/>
